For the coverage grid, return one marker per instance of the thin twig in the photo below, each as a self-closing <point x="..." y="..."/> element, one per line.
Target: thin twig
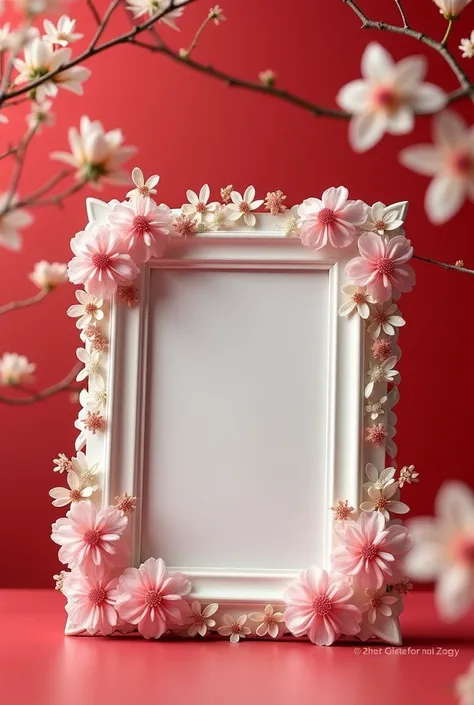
<point x="196" y="37"/>
<point x="94" y="11"/>
<point x="32" y="197"/>
<point x="24" y="303"/>
<point x="61" y="386"/>
<point x="103" y="23"/>
<point x="8" y="152"/>
<point x="20" y="154"/>
<point x="58" y="198"/>
<point x="444" y="40"/>
<point x="445" y="265"/>
<point x="398" y="3"/>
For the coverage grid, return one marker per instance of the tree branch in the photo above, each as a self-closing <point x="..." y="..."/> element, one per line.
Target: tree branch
<point x="61" y="386"/>
<point x="103" y="23"/>
<point x="24" y="303"/>
<point x="454" y="267"/>
<point x="20" y="154"/>
<point x="94" y="11"/>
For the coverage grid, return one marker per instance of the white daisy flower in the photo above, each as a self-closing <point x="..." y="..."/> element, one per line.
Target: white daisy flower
<point x="143" y="189"/>
<point x="244" y="205"/>
<point x="75" y="492"/>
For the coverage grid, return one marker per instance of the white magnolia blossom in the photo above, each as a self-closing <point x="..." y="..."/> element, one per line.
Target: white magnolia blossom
<point x="464" y="687"/>
<point x="379" y="481"/>
<point x="75" y="492"/>
<point x="375" y="408"/>
<point x="451" y="8"/>
<point x="40" y="114"/>
<point x="97" y="155"/>
<point x="385" y="319"/>
<point x="290" y="222"/>
<point x="381" y="372"/>
<point x="91" y="363"/>
<point x="198" y="206"/>
<point x="443" y="550"/>
<point x="88" y="311"/>
<point x="95" y="399"/>
<point x="381" y="501"/>
<point x="143" y="189"/>
<point x="62" y="33"/>
<point x="11" y="222"/>
<point x="387" y="97"/>
<point x="17" y="39"/>
<point x="382" y="219"/>
<point x="139" y="8"/>
<point x="467" y="47"/>
<point x="15" y="369"/>
<point x="87" y="473"/>
<point x="449" y="161"/>
<point x="244" y="205"/>
<point x="48" y="275"/>
<point x="40" y="58"/>
<point x="359" y="301"/>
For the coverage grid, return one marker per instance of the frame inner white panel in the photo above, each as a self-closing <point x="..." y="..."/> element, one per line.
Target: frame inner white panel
<point x="235" y="449"/>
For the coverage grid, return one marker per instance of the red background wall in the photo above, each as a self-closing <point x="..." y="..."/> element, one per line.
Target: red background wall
<point x="191" y="130"/>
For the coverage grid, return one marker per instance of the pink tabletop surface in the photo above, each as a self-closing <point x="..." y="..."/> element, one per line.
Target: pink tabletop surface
<point x="40" y="666"/>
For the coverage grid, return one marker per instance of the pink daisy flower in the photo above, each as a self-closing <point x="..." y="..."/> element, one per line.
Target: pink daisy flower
<point x="88" y="538"/>
<point x="371" y="551"/>
<point x="143" y="226"/>
<point x="152" y="598"/>
<point x="101" y="261"/>
<point x="318" y="606"/>
<point x="332" y="220"/>
<point x="382" y="266"/>
<point x="91" y="602"/>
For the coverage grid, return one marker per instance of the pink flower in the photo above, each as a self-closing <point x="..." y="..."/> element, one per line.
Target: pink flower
<point x="91" y="602"/>
<point x="88" y="538"/>
<point x="201" y="618"/>
<point x="332" y="220"/>
<point x="382" y="266"/>
<point x="101" y="261"/>
<point x="370" y="550"/>
<point x="143" y="226"/>
<point x="234" y="628"/>
<point x="152" y="598"/>
<point x="318" y="606"/>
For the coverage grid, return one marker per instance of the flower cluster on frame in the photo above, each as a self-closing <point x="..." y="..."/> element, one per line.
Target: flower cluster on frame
<point x="361" y="596"/>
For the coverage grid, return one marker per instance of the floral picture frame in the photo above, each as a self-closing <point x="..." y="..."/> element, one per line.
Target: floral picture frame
<point x="241" y="373"/>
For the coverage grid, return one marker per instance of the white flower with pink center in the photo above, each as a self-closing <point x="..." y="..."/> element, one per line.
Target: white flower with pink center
<point x="319" y="606"/>
<point x="75" y="492"/>
<point x="198" y="205"/>
<point x="101" y="262"/>
<point x="378" y="481"/>
<point x="152" y="598"/>
<point x="331" y="220"/>
<point x="48" y="276"/>
<point x="376" y="408"/>
<point x="242" y="206"/>
<point x="380" y="611"/>
<point x="451" y="9"/>
<point x="201" y="619"/>
<point x="443" y="550"/>
<point x="359" y="300"/>
<point x="143" y="226"/>
<point x="382" y="219"/>
<point x="88" y="422"/>
<point x="467" y="47"/>
<point x="382" y="501"/>
<point x="143" y="189"/>
<point x="371" y="551"/>
<point x="91" y="602"/>
<point x="450" y="161"/>
<point x="385" y="319"/>
<point x="91" y="362"/>
<point x="380" y="373"/>
<point x="408" y="476"/>
<point x="382" y="266"/>
<point x="90" y="539"/>
<point x="88" y="311"/>
<point x="270" y="621"/>
<point x="15" y="370"/>
<point x="235" y="629"/>
<point x="387" y="97"/>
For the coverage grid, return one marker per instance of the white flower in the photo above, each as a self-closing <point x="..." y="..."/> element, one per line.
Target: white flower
<point x="88" y="311"/>
<point x="11" y="222"/>
<point x="467" y="47"/>
<point x="443" y="550"/>
<point x="201" y="621"/>
<point x="87" y="422"/>
<point x="382" y="219"/>
<point x="387" y="97"/>
<point x="451" y="8"/>
<point x="359" y="301"/>
<point x="48" y="276"/>
<point x="97" y="155"/>
<point x="379" y="481"/>
<point x="375" y="408"/>
<point x="62" y="463"/>
<point x="35" y="7"/>
<point x="381" y="501"/>
<point x="381" y="372"/>
<point x="83" y="470"/>
<point x="450" y="161"/>
<point x="143" y="188"/>
<point x="91" y="363"/>
<point x="408" y="475"/>
<point x="216" y="14"/>
<point x="464" y="687"/>
<point x="198" y="205"/>
<point x="40" y="115"/>
<point x="267" y="77"/>
<point x="290" y="221"/>
<point x="95" y="399"/>
<point x="15" y="369"/>
<point x="40" y="59"/>
<point x="244" y="205"/>
<point x="62" y="34"/>
<point x="269" y="621"/>
<point x="380" y="612"/>
<point x="220" y="218"/>
<point x="384" y="319"/>
<point x="234" y="628"/>
<point x="5" y="37"/>
<point x="152" y="7"/>
<point x="76" y="492"/>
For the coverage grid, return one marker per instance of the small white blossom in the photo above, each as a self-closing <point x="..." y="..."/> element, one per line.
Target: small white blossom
<point x="378" y="481"/>
<point x="201" y="620"/>
<point x="198" y="206"/>
<point x="408" y="475"/>
<point x="381" y="372"/>
<point x="267" y="77"/>
<point x="15" y="370"/>
<point x="381" y="501"/>
<point x="39" y="115"/>
<point x="88" y="311"/>
<point x="220" y="218"/>
<point x="359" y="301"/>
<point x="62" y="464"/>
<point x="375" y="408"/>
<point x="87" y="473"/>
<point x="95" y="399"/>
<point x="290" y="222"/>
<point x="11" y="222"/>
<point x="384" y="319"/>
<point x="269" y="622"/>
<point x="216" y="13"/>
<point x="139" y="8"/>
<point x="48" y="275"/>
<point x="467" y="47"/>
<point x="382" y="219"/>
<point x="91" y="363"/>
<point x="63" y="33"/>
<point x="235" y="628"/>
<point x="77" y="492"/>
<point x="244" y="205"/>
<point x="143" y="189"/>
